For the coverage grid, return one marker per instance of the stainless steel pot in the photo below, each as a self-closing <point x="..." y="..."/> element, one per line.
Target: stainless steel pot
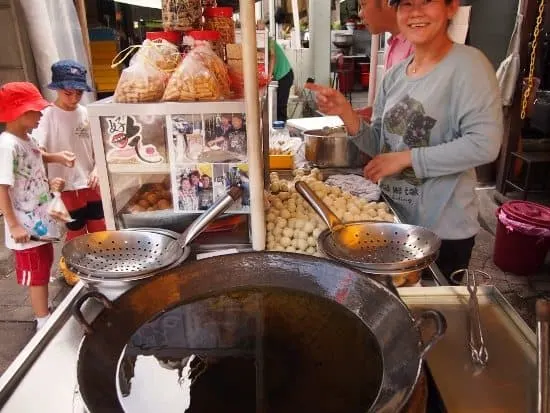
<point x="343" y="39"/>
<point x="397" y="335"/>
<point x="331" y="148"/>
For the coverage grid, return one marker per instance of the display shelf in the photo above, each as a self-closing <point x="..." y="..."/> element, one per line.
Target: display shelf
<point x="139" y="169"/>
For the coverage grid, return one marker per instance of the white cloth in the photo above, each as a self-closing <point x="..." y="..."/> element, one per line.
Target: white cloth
<point x="54" y="34"/>
<point x="509" y="68"/>
<point x="61" y="130"/>
<point x="22" y="169"/>
<point x="356" y="185"/>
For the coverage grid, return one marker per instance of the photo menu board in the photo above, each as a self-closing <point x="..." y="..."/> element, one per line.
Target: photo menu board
<point x="208" y="155"/>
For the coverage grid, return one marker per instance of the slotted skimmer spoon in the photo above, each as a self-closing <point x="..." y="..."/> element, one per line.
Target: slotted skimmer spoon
<point x="380" y="247"/>
<point x="131" y="255"/>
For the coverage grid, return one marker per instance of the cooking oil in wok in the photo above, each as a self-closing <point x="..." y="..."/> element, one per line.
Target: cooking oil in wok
<point x="262" y="350"/>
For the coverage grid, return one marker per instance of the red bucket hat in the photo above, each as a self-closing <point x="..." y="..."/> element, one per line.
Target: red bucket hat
<point x="17" y="98"/>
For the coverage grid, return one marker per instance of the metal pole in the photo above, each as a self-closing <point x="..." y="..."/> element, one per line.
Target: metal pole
<point x="272" y="28"/>
<point x="374" y="45"/>
<point x="254" y="138"/>
<point x="83" y="20"/>
<point x="296" y="20"/>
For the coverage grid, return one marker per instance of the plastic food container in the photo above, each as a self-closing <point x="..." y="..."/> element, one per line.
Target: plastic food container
<point x="220" y="19"/>
<point x="169" y="36"/>
<point x="181" y="15"/>
<point x="523" y="237"/>
<point x="281" y="162"/>
<point x="211" y="37"/>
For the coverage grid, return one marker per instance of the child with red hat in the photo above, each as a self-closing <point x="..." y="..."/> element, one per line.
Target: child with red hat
<point x="25" y="192"/>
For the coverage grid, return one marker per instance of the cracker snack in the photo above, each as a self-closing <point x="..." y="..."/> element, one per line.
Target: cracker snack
<point x="181" y="15"/>
<point x="146" y="77"/>
<point x="201" y="76"/>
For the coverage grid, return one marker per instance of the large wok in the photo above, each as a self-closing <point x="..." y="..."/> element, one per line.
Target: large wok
<point x="396" y="334"/>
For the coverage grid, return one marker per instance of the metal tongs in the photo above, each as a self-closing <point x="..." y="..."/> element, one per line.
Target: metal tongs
<point x="478" y="350"/>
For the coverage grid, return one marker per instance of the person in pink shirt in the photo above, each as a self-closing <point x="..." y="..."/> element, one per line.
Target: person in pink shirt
<point x="380" y="18"/>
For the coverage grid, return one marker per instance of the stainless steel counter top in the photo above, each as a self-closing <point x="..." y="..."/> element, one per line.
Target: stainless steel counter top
<point x="509" y="381"/>
<point x="508" y="384"/>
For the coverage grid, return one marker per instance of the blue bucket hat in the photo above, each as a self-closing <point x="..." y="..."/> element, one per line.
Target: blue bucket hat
<point x="68" y="74"/>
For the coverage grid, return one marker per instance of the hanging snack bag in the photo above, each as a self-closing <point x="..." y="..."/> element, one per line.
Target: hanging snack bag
<point x="146" y="77"/>
<point x="58" y="210"/>
<point x="201" y="76"/>
<point x="192" y="81"/>
<point x="212" y="61"/>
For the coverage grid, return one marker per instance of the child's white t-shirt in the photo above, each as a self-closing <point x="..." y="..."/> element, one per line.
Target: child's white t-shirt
<point x="61" y="130"/>
<point x="22" y="169"/>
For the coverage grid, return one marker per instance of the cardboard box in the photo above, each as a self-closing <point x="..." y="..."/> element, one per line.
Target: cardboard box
<point x="235" y="64"/>
<point x="234" y="51"/>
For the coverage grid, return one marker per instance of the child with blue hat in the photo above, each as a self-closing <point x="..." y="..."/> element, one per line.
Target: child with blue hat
<point x="65" y="127"/>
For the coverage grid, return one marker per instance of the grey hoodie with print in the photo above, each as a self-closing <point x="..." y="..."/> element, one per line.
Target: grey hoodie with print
<point x="451" y="119"/>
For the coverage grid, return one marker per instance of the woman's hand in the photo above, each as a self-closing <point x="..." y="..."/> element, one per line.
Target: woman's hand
<point x="57" y="184"/>
<point x="329" y="101"/>
<point x="387" y="164"/>
<point x="332" y="102"/>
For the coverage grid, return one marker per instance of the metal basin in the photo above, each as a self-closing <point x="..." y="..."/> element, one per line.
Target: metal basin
<point x="330" y="148"/>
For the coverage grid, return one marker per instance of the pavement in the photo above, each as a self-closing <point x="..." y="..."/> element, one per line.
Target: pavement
<point x="17" y="325"/>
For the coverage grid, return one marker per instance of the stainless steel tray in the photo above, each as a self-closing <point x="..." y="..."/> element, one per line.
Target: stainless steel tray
<point x="509" y="382"/>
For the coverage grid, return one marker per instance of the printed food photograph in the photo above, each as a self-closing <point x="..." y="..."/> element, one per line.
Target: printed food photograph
<point x="139" y="139"/>
<point x="225" y="137"/>
<point x="187" y="138"/>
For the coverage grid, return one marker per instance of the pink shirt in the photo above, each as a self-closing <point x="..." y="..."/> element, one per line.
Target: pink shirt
<point x="398" y="49"/>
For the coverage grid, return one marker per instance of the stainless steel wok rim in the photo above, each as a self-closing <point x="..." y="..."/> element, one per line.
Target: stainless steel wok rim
<point x="386" y="395"/>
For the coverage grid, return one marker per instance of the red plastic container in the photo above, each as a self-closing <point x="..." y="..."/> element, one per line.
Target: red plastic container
<point x="519" y="247"/>
<point x="365" y="78"/>
<point x="346" y="76"/>
<point x="172" y="37"/>
<point x="364" y="67"/>
<point x="219" y="12"/>
<point x="206" y="35"/>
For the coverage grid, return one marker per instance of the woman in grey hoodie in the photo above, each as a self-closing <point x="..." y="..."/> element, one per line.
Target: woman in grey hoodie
<point x="437" y="116"/>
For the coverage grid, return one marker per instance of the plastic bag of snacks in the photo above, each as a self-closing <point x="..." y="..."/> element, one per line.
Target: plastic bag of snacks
<point x="140" y="82"/>
<point x="58" y="210"/>
<point x="192" y="80"/>
<point x="211" y="60"/>
<point x="208" y="38"/>
<point x="161" y="53"/>
<point x="144" y="80"/>
<point x="181" y="15"/>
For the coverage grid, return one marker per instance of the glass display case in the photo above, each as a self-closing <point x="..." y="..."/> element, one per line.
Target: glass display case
<point x="162" y="164"/>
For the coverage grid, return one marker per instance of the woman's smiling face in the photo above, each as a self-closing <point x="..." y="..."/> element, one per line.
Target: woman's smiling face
<point x="423" y="21"/>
